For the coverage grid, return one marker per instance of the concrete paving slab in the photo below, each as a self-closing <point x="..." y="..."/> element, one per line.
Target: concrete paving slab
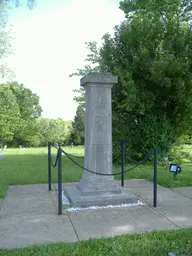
<point x="25" y="189"/>
<point x="109" y="223"/>
<point x="28" y="200"/>
<point x="136" y="183"/>
<point x="146" y="193"/>
<point x="22" y="231"/>
<point x="186" y="191"/>
<point x="180" y="214"/>
<point x="1" y="203"/>
<point x="29" y="216"/>
<point x="176" y="207"/>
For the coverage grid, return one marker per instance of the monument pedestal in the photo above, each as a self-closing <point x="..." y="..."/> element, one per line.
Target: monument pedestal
<point x="95" y="189"/>
<point x="77" y="199"/>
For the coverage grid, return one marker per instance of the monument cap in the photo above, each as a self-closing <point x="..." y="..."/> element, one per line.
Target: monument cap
<point x="99" y="78"/>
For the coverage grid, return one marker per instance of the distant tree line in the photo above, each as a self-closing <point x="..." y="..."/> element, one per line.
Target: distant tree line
<point x="21" y="122"/>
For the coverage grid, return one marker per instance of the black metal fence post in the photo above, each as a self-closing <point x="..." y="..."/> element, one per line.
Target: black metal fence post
<point x="49" y="165"/>
<point x="122" y="162"/>
<point x="59" y="181"/>
<point x="155" y="178"/>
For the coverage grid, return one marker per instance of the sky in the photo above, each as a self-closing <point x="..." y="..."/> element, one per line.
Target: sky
<point x="49" y="44"/>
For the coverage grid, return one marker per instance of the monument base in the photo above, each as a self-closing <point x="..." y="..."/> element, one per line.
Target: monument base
<point x="77" y="199"/>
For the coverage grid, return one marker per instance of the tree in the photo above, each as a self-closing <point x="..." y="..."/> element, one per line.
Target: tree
<point x="16" y="3"/>
<point x="27" y="100"/>
<point x="78" y="127"/>
<point x="151" y="54"/>
<point x="50" y="130"/>
<point x="5" y="47"/>
<point x="9" y="113"/>
<point x="92" y="65"/>
<point x="5" y="35"/>
<point x="63" y="128"/>
<point x="29" y="110"/>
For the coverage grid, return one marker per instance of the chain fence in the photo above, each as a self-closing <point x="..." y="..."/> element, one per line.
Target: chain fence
<point x="58" y="163"/>
<point x="107" y="174"/>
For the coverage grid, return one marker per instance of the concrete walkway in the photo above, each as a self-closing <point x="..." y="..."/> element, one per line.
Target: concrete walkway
<point x="28" y="215"/>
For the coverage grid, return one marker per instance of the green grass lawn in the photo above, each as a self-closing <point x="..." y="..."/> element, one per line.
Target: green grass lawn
<point x="29" y="166"/>
<point x="150" y="244"/>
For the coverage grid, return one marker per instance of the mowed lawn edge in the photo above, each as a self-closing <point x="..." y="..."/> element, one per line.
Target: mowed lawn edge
<point x="158" y="243"/>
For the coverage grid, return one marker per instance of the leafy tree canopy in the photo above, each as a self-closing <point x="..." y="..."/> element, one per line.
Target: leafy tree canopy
<point x="50" y="130"/>
<point x="25" y="110"/>
<point x="27" y="100"/>
<point x="5" y="46"/>
<point x="9" y="113"/>
<point x="16" y="3"/>
<point x="151" y="54"/>
<point x="5" y="34"/>
<point x="78" y="127"/>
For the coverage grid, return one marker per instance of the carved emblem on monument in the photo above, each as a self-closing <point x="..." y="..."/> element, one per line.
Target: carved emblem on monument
<point x="101" y="102"/>
<point x="101" y="126"/>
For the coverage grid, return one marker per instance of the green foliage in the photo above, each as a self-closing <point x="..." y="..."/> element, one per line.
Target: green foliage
<point x="92" y="60"/>
<point x="29" y="110"/>
<point x="28" y="101"/>
<point x="180" y="153"/>
<point x="78" y="127"/>
<point x="20" y="122"/>
<point x="150" y="53"/>
<point x="51" y="130"/>
<point x="16" y="3"/>
<point x="92" y="65"/>
<point x="181" y="8"/>
<point x="5" y="34"/>
<point x="5" y="46"/>
<point x="26" y="133"/>
<point x="9" y="113"/>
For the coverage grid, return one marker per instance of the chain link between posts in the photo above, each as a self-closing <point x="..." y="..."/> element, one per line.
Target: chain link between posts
<point x="107" y="174"/>
<point x="56" y="160"/>
<point x="69" y="156"/>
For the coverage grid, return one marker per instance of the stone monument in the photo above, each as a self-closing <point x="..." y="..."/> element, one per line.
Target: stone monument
<point x="96" y="189"/>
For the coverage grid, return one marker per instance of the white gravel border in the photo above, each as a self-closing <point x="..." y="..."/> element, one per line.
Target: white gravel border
<point x="73" y="209"/>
